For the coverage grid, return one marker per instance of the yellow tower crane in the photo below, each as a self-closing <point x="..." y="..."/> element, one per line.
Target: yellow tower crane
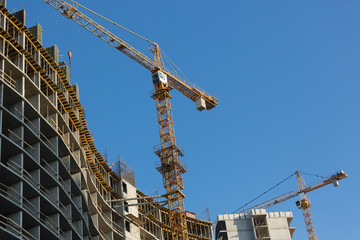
<point x="170" y="165"/>
<point x="304" y="202"/>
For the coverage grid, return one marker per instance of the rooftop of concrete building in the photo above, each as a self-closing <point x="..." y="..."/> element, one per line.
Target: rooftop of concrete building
<point x="223" y="217"/>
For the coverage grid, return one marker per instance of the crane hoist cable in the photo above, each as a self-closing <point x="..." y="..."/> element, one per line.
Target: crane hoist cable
<point x="314" y="175"/>
<point x="237" y="210"/>
<point x="110" y="21"/>
<point x="310" y="174"/>
<point x="172" y="64"/>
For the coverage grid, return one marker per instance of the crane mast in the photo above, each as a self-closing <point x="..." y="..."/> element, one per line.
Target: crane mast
<point x="170" y="165"/>
<point x="304" y="202"/>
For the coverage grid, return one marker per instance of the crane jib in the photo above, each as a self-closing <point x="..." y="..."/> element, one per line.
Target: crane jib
<point x="190" y="90"/>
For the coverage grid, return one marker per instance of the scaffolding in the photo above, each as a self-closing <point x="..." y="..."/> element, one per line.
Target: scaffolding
<point x="125" y="172"/>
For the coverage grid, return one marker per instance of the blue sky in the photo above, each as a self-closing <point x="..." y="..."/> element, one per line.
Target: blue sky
<point x="287" y="76"/>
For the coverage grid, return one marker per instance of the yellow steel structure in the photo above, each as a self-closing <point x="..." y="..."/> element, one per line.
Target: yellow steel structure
<point x="304" y="202"/>
<point x="170" y="165"/>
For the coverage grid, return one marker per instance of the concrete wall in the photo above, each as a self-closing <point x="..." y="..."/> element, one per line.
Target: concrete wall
<point x="275" y="225"/>
<point x="240" y="229"/>
<point x="279" y="227"/>
<point x="134" y="228"/>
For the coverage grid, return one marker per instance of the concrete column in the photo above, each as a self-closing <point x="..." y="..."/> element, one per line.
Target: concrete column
<point x="2" y="19"/>
<point x="16" y="162"/>
<point x="54" y="195"/>
<point x="77" y="155"/>
<point x="54" y="144"/>
<point x="67" y="139"/>
<point x="37" y="79"/>
<point x="34" y="151"/>
<point x="79" y="226"/>
<point x="66" y="162"/>
<point x="77" y="201"/>
<point x="67" y="235"/>
<point x="1" y="89"/>
<point x="34" y="125"/>
<point x="35" y="174"/>
<point x="161" y="231"/>
<point x="34" y="205"/>
<point x="53" y="97"/>
<point x="66" y="210"/>
<point x="55" y="222"/>
<point x="16" y="217"/>
<point x="20" y="85"/>
<point x="96" y="237"/>
<point x="67" y="185"/>
<point x="2" y="70"/>
<point x="55" y="102"/>
<point x="95" y="219"/>
<point x="35" y="231"/>
<point x="1" y="119"/>
<point x="17" y="109"/>
<point x="22" y="41"/>
<point x="21" y="58"/>
<point x="53" y="120"/>
<point x="15" y="191"/>
<point x="2" y="45"/>
<point x="52" y="168"/>
<point x="35" y="101"/>
<point x="17" y="135"/>
<point x="109" y="235"/>
<point x="77" y="179"/>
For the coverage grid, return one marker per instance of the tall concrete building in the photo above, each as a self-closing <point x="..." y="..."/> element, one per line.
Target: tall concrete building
<point x="54" y="184"/>
<point x="257" y="225"/>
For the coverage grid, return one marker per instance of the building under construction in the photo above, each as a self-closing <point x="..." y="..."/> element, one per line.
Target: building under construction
<point x="258" y="224"/>
<point x="54" y="183"/>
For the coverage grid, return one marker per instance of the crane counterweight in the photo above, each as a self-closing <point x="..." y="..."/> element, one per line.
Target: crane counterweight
<point x="200" y="104"/>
